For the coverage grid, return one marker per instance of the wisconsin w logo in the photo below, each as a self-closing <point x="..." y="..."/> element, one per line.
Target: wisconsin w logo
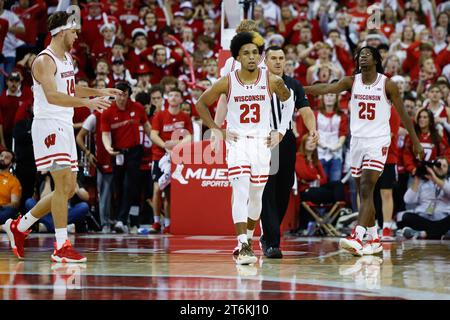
<point x="50" y="140"/>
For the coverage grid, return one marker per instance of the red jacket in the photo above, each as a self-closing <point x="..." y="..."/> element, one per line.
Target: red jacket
<point x="394" y="123"/>
<point x="307" y="172"/>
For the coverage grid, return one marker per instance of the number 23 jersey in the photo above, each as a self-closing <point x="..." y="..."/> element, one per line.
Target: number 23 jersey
<point x="370" y="108"/>
<point x="249" y="105"/>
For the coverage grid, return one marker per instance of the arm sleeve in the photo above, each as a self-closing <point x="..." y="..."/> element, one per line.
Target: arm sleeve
<point x="156" y="123"/>
<point x="16" y="188"/>
<point x="446" y="187"/>
<point x="411" y="197"/>
<point x="105" y="122"/>
<point x="343" y="126"/>
<point x="89" y="123"/>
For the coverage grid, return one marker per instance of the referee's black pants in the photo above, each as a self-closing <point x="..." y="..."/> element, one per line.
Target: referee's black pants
<point x="277" y="191"/>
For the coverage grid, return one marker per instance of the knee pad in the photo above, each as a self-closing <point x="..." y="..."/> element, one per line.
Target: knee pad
<point x="239" y="206"/>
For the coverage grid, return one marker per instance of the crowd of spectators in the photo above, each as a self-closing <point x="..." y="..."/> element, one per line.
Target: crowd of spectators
<point x="159" y="46"/>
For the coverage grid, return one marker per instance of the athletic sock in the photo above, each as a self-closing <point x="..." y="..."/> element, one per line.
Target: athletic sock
<point x="360" y="231"/>
<point x="166" y="222"/>
<point x="61" y="237"/>
<point x="373" y="232"/>
<point x="242" y="238"/>
<point x="156" y="219"/>
<point x="26" y="222"/>
<point x="387" y="225"/>
<point x="250" y="234"/>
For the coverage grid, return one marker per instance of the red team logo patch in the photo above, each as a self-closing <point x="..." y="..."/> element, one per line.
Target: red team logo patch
<point x="50" y="140"/>
<point x="384" y="151"/>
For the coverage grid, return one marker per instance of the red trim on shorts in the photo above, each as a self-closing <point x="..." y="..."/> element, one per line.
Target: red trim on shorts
<point x="53" y="155"/>
<point x="53" y="160"/>
<point x="369" y="166"/>
<point x="239" y="173"/>
<point x="378" y="162"/>
<point x="238" y="167"/>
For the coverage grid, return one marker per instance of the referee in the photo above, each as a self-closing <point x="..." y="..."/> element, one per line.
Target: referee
<point x="278" y="188"/>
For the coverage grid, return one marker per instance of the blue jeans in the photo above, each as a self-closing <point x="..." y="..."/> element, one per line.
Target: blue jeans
<point x="7" y="213"/>
<point x="8" y="66"/>
<point x="76" y="214"/>
<point x="104" y="186"/>
<point x="333" y="169"/>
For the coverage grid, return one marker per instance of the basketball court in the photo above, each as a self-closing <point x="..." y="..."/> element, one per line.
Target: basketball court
<point x="160" y="267"/>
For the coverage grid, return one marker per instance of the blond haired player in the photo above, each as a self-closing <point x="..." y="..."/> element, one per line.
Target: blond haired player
<point x="55" y="96"/>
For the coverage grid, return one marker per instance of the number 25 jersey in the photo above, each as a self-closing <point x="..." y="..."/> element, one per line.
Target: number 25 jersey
<point x="249" y="105"/>
<point x="370" y="108"/>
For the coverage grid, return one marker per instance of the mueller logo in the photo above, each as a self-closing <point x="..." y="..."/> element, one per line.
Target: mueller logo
<point x="208" y="177"/>
<point x="50" y="140"/>
<point x="67" y="74"/>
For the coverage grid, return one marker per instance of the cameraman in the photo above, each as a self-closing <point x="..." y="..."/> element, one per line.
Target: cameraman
<point x="431" y="195"/>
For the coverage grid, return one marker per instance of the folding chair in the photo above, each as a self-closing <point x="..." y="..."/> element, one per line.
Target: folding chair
<point x="324" y="220"/>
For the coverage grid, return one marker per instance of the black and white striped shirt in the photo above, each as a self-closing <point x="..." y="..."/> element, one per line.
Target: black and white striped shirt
<point x="300" y="101"/>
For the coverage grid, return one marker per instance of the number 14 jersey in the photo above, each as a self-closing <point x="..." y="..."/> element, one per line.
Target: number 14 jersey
<point x="370" y="108"/>
<point x="249" y="105"/>
<point x="65" y="83"/>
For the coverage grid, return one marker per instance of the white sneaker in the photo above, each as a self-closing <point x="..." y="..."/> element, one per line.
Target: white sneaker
<point x="133" y="230"/>
<point x="352" y="245"/>
<point x="372" y="247"/>
<point x="246" y="255"/>
<point x="71" y="228"/>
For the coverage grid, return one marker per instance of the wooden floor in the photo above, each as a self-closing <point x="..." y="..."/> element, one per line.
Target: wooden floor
<point x="202" y="268"/>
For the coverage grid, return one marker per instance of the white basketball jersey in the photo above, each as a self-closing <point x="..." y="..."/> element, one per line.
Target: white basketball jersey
<point x="249" y="105"/>
<point x="370" y="108"/>
<point x="65" y="83"/>
<point x="232" y="65"/>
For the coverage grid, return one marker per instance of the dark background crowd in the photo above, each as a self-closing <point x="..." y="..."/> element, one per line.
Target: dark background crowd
<point x="158" y="47"/>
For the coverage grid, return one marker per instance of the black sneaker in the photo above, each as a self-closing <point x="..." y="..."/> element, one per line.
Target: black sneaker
<point x="273" y="253"/>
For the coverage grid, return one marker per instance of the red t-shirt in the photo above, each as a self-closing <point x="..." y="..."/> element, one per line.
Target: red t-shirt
<point x="4" y="26"/>
<point x="103" y="157"/>
<point x="9" y="106"/>
<point x="166" y="124"/>
<point x="124" y="124"/>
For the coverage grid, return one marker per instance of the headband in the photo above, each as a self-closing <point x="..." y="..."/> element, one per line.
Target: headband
<point x="68" y="26"/>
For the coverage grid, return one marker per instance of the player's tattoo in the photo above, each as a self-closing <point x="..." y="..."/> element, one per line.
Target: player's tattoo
<point x="281" y="90"/>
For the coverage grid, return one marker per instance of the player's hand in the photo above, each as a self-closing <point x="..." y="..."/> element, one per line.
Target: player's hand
<point x="418" y="151"/>
<point x="273" y="139"/>
<point x="98" y="104"/>
<point x="314" y="135"/>
<point x="110" y="92"/>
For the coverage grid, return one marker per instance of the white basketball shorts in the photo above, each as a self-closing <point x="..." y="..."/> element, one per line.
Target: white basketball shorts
<point x="368" y="153"/>
<point x="249" y="156"/>
<point x="54" y="145"/>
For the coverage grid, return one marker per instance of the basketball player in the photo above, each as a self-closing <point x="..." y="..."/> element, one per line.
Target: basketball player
<point x="372" y="95"/>
<point x="55" y="96"/>
<point x="231" y="64"/>
<point x="248" y="91"/>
